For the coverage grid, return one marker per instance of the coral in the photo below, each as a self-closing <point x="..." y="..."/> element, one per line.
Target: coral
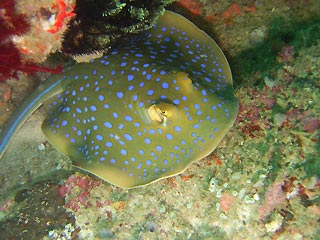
<point x="274" y="197"/>
<point x="63" y="13"/>
<point x="10" y="59"/>
<point x="84" y="186"/>
<point x="98" y="23"/>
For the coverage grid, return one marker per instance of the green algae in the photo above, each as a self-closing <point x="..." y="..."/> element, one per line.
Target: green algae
<point x="118" y="195"/>
<point x="311" y="164"/>
<point x="261" y="57"/>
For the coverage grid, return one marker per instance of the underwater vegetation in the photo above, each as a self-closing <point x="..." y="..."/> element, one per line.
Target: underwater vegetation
<point x="108" y="21"/>
<point x="12" y="24"/>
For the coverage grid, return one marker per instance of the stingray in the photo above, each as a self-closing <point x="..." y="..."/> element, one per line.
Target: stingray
<point x="145" y="111"/>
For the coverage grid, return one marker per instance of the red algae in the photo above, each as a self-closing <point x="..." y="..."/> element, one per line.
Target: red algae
<point x="63" y="13"/>
<point x="84" y="185"/>
<point x="193" y="7"/>
<point x="311" y="124"/>
<point x="274" y="197"/>
<point x="11" y="63"/>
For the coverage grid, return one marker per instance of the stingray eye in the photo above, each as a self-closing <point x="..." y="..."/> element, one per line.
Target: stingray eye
<point x="158" y="114"/>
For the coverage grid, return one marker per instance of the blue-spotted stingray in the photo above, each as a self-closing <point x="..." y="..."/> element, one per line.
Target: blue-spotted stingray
<point x="145" y="111"/>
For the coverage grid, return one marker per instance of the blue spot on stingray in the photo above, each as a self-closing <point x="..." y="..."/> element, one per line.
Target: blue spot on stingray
<point x="137" y="124"/>
<point x="101" y="97"/>
<point x="167" y="39"/>
<point x="64" y="123"/>
<point x="150" y="92"/>
<point x="99" y="137"/>
<point x="163" y="72"/>
<point x="177" y="128"/>
<point x="148" y="162"/>
<point x="115" y="115"/>
<point x="120" y="95"/>
<point x="147" y="140"/>
<point x="113" y="161"/>
<point x="93" y="108"/>
<point x="130" y="77"/>
<point x="148" y="77"/>
<point x="204" y="92"/>
<point x="128" y="137"/>
<point x="123" y="151"/>
<point x="152" y="131"/>
<point x="128" y="118"/>
<point x="135" y="97"/>
<point x="141" y="152"/>
<point x="165" y="85"/>
<point x="169" y="136"/>
<point x="108" y="144"/>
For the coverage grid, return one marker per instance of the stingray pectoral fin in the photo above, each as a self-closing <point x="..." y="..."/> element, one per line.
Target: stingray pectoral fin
<point x="60" y="142"/>
<point x="111" y="174"/>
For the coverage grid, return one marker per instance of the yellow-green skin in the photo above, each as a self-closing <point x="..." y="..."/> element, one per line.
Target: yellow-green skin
<point x="147" y="110"/>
